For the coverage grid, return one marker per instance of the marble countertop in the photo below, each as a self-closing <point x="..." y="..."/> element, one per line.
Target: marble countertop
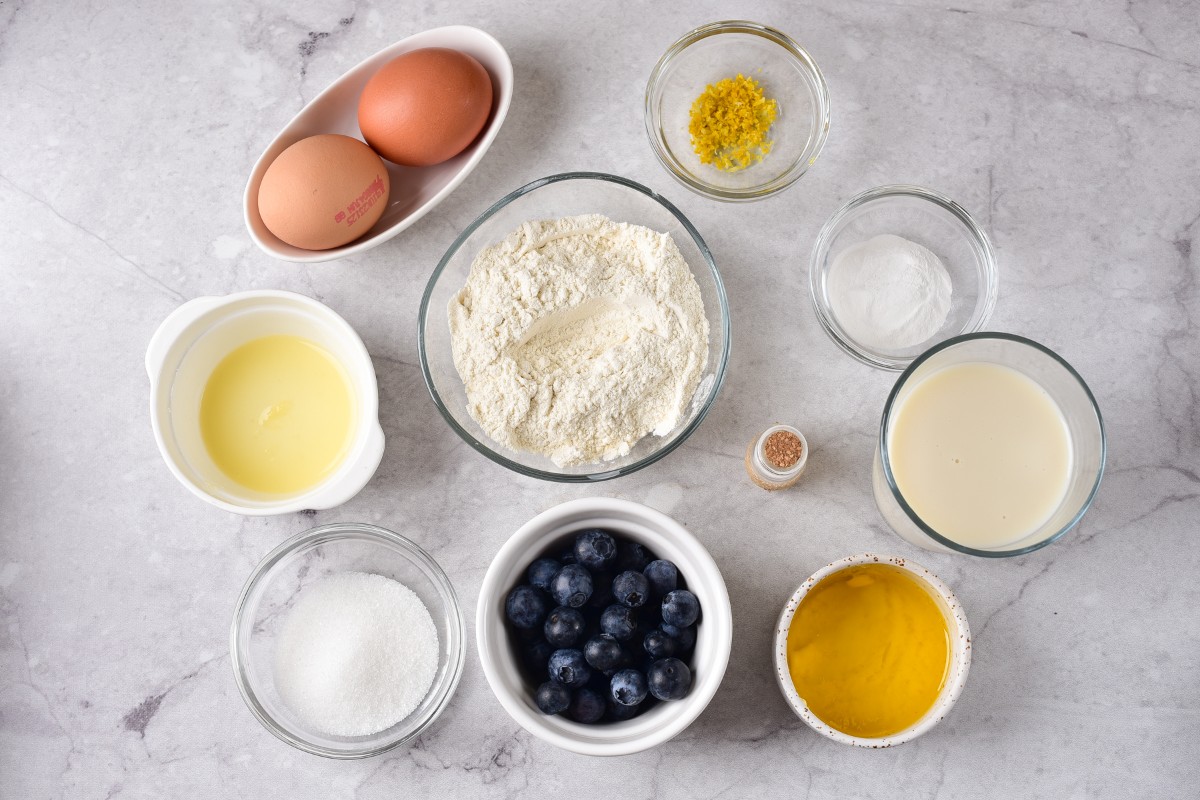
<point x="127" y="131"/>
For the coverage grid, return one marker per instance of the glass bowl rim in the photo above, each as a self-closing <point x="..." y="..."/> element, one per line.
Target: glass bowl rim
<point x="985" y="304"/>
<point x="798" y="55"/>
<point x="602" y="474"/>
<point x="890" y="479"/>
<point x="334" y="532"/>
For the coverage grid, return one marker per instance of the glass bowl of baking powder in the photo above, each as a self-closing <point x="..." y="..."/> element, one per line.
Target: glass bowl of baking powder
<point x="877" y="315"/>
<point x="555" y="198"/>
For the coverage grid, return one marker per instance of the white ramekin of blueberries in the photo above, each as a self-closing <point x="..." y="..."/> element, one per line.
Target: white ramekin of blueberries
<point x="604" y="627"/>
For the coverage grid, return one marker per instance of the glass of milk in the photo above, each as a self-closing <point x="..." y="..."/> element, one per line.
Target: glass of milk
<point x="990" y="445"/>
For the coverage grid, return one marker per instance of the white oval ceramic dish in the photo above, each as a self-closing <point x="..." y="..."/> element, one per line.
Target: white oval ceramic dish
<point x="190" y="343"/>
<point x="960" y="651"/>
<point x="667" y="539"/>
<point x="414" y="190"/>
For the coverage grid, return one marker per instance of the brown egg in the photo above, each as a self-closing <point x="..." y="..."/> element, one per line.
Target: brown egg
<point x="425" y="106"/>
<point x="324" y="191"/>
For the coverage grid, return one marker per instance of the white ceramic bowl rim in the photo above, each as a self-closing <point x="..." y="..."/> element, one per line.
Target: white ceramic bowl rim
<point x="358" y="466"/>
<point x="703" y="577"/>
<point x="321" y="535"/>
<point x="960" y="652"/>
<point x="601" y="474"/>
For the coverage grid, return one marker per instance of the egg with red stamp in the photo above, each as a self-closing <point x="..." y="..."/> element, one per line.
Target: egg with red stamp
<point x="323" y="192"/>
<point x="425" y="106"/>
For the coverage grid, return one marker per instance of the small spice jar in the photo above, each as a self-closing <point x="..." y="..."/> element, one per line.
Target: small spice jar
<point x="777" y="458"/>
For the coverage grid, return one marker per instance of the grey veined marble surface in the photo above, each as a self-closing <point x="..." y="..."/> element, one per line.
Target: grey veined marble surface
<point x="127" y="131"/>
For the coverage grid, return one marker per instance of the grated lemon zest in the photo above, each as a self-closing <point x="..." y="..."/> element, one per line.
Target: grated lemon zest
<point x="730" y="121"/>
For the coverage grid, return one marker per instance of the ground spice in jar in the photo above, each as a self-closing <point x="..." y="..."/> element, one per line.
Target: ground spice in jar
<point x="783" y="449"/>
<point x="729" y="123"/>
<point x="777" y="457"/>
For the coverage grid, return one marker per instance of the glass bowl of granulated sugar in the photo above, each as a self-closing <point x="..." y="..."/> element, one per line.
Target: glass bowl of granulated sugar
<point x="347" y="641"/>
<point x="898" y="269"/>
<point x="577" y="331"/>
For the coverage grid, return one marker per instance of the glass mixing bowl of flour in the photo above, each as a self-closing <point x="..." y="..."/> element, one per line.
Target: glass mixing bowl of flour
<point x="553" y="198"/>
<point x="938" y="225"/>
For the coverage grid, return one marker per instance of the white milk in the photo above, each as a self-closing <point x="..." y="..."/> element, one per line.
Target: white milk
<point x="981" y="453"/>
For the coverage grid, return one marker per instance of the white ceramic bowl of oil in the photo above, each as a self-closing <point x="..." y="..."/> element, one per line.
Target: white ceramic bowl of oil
<point x="193" y="340"/>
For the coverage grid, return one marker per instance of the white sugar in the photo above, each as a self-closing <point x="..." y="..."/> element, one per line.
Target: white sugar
<point x="356" y="655"/>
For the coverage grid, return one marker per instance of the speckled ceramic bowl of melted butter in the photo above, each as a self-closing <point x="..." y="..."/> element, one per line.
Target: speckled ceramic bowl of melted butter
<point x="956" y="675"/>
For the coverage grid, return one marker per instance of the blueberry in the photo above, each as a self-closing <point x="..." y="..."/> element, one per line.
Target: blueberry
<point x="526" y="607"/>
<point x="595" y="549"/>
<point x="631" y="588"/>
<point x="572" y="586"/>
<point x="568" y="667"/>
<point x="631" y="555"/>
<point x="628" y="687"/>
<point x="586" y="707"/>
<point x="686" y="637"/>
<point x="619" y="622"/>
<point x="564" y="626"/>
<point x="669" y="679"/>
<point x="663" y="577"/>
<point x="624" y="659"/>
<point x="541" y="572"/>
<point x="680" y="608"/>
<point x="658" y="645"/>
<point x="552" y="698"/>
<point x="615" y="712"/>
<point x="602" y="652"/>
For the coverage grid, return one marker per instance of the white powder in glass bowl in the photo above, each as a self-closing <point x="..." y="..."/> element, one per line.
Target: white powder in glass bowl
<point x="356" y="654"/>
<point x="889" y="293"/>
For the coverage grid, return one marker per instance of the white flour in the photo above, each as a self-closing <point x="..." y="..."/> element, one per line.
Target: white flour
<point x="889" y="293"/>
<point x="578" y="336"/>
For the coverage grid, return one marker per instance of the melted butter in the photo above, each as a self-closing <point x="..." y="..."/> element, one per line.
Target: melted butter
<point x="869" y="650"/>
<point x="277" y="414"/>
